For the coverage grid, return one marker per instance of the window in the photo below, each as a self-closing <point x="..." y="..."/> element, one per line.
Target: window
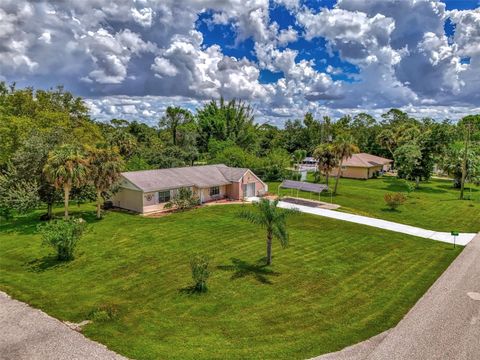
<point x="164" y="196"/>
<point x="215" y="190"/>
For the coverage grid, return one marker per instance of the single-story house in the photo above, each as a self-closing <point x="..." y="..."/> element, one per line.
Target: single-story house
<point x="363" y="166"/>
<point x="149" y="190"/>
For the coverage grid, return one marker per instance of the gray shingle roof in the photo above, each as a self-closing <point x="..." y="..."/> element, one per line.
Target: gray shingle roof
<point x="365" y="160"/>
<point x="199" y="176"/>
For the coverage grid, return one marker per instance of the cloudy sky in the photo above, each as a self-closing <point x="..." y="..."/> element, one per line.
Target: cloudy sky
<point x="133" y="58"/>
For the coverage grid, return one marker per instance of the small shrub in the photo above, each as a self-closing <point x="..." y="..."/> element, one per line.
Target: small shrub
<point x="410" y="186"/>
<point x="104" y="313"/>
<point x="394" y="200"/>
<point x="62" y="235"/>
<point x="184" y="199"/>
<point x="200" y="273"/>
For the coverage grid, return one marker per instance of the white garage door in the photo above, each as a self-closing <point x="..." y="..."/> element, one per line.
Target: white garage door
<point x="249" y="190"/>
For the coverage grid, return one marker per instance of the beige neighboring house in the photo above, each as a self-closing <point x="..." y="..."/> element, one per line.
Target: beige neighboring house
<point x="149" y="190"/>
<point x="363" y="166"/>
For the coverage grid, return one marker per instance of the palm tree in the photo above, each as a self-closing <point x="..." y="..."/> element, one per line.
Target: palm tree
<point x="105" y="166"/>
<point x="327" y="159"/>
<point x="273" y="219"/>
<point x="174" y="118"/>
<point x="66" y="167"/>
<point x="298" y="156"/>
<point x="344" y="149"/>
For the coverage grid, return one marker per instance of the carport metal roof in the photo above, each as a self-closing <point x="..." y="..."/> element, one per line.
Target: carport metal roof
<point x="303" y="186"/>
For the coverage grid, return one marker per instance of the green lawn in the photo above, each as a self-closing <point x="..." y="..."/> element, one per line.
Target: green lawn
<point x="435" y="206"/>
<point x="338" y="283"/>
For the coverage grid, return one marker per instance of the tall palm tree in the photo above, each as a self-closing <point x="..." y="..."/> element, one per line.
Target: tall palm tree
<point x="66" y="167"/>
<point x="327" y="159"/>
<point x="274" y="220"/>
<point x="105" y="165"/>
<point x="344" y="149"/>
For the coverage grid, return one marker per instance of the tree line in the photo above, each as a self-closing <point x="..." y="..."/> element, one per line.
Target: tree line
<point x="51" y="150"/>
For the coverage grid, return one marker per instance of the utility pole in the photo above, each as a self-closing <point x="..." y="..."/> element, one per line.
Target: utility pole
<point x="465" y="158"/>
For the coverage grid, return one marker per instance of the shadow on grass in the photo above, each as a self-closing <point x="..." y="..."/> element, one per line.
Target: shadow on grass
<point x="392" y="211"/>
<point x="45" y="263"/>
<point x="258" y="271"/>
<point x="192" y="290"/>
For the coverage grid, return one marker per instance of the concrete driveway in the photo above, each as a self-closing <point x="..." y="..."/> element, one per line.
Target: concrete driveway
<point x="28" y="333"/>
<point x="463" y="239"/>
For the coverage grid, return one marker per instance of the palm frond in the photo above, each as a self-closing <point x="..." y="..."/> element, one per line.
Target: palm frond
<point x="280" y="232"/>
<point x="253" y="217"/>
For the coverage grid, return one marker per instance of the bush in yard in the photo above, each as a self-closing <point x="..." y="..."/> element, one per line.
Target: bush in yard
<point x="200" y="273"/>
<point x="184" y="199"/>
<point x="63" y="235"/>
<point x="394" y="200"/>
<point x="410" y="186"/>
<point x="102" y="313"/>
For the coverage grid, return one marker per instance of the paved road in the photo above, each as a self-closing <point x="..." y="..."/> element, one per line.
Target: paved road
<point x="463" y="239"/>
<point x="443" y="324"/>
<point x="27" y="333"/>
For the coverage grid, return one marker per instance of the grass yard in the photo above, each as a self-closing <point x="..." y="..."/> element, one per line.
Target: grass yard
<point x="435" y="206"/>
<point x="336" y="284"/>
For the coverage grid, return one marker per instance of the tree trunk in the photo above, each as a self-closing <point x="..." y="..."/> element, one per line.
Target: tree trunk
<point x="269" y="248"/>
<point x="66" y="195"/>
<point x="174" y="135"/>
<point x="99" y="204"/>
<point x="49" y="210"/>
<point x="339" y="172"/>
<point x="326" y="177"/>
<point x="417" y="182"/>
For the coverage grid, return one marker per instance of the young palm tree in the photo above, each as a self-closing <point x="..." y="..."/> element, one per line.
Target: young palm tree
<point x="298" y="156"/>
<point x="273" y="219"/>
<point x="105" y="166"/>
<point x="327" y="160"/>
<point x="344" y="149"/>
<point x="66" y="167"/>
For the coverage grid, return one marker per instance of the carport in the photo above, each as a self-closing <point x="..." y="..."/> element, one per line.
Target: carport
<point x="303" y="186"/>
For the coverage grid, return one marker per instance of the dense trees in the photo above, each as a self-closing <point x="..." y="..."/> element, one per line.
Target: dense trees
<point x="37" y="126"/>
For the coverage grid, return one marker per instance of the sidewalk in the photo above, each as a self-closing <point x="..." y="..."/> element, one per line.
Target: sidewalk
<point x="462" y="239"/>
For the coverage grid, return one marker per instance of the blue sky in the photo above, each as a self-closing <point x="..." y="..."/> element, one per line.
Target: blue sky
<point x="131" y="59"/>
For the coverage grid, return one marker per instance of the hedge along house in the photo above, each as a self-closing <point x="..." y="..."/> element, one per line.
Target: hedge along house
<point x="363" y="166"/>
<point x="149" y="190"/>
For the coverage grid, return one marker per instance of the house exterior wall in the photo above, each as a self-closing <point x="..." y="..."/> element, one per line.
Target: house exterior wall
<point x="204" y="193"/>
<point x="131" y="198"/>
<point x="352" y="172"/>
<point x="248" y="178"/>
<point x="151" y="203"/>
<point x="233" y="191"/>
<point x="128" y="199"/>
